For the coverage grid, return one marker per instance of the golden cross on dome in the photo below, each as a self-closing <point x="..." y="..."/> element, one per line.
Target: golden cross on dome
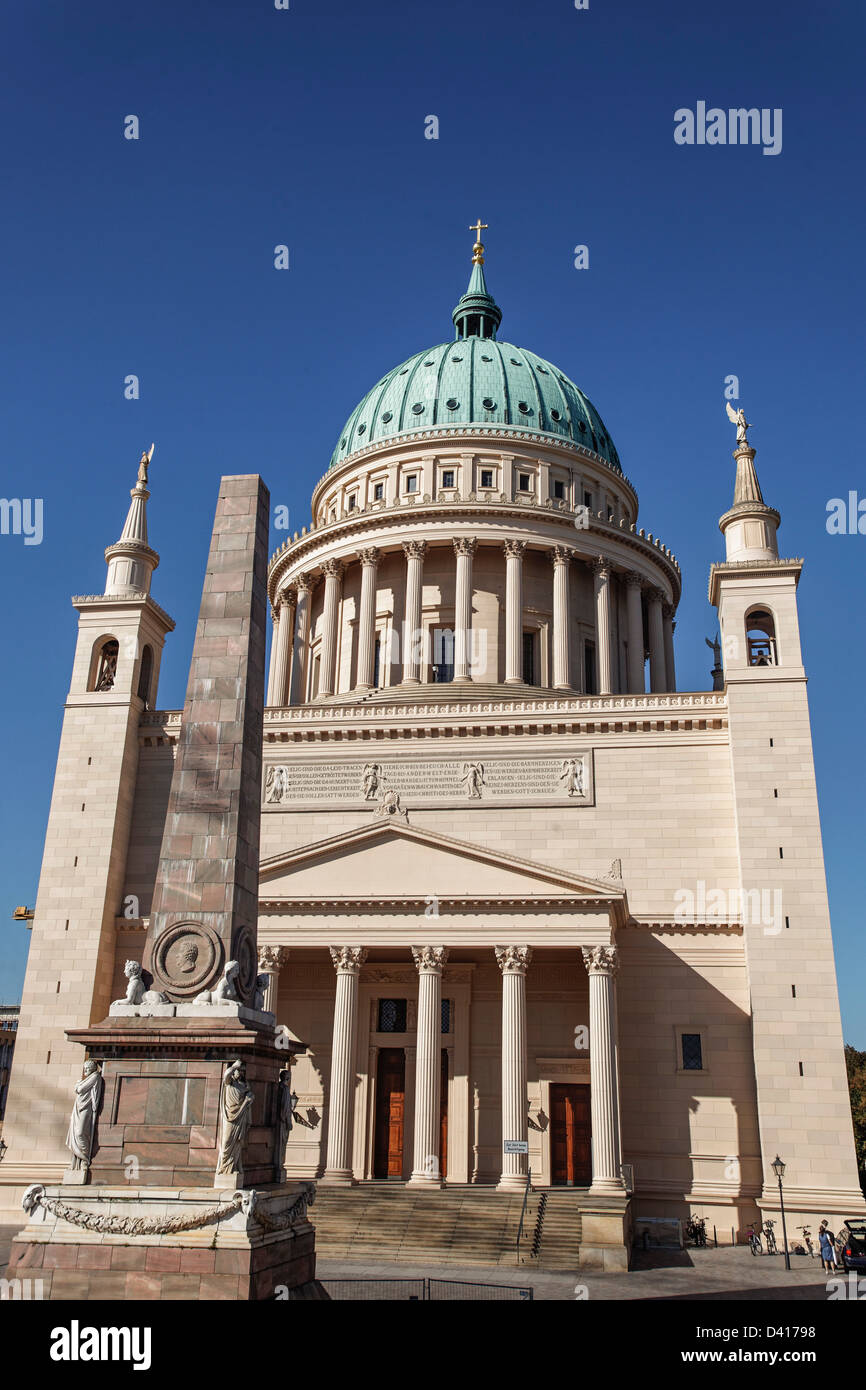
<point x="478" y="248"/>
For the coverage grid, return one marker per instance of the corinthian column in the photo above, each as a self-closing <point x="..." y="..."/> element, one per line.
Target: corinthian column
<point x="429" y="961"/>
<point x="514" y="611"/>
<point x="333" y="572"/>
<point x="656" y="641"/>
<point x="414" y="552"/>
<point x="635" y="634"/>
<point x="282" y="648"/>
<point x="602" y="624"/>
<point x="464" y="549"/>
<point x="271" y="961"/>
<point x="347" y="963"/>
<point x="513" y="962"/>
<point x="299" y="654"/>
<point x="561" y="557"/>
<point x="668" y="611"/>
<point x="275" y="623"/>
<point x="602" y="963"/>
<point x="367" y="618"/>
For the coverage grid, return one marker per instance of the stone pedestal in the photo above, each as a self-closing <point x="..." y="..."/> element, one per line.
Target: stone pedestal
<point x="160" y="1123"/>
<point x="169" y="1243"/>
<point x="606" y="1226"/>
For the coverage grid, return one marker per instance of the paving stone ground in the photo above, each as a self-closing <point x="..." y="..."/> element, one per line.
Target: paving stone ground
<point x="699" y="1275"/>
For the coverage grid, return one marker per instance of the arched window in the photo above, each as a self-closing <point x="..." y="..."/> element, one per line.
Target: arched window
<point x="145" y="675"/>
<point x="761" y="638"/>
<point x="105" y="670"/>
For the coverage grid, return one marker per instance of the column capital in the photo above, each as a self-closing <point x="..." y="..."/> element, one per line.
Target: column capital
<point x="348" y="959"/>
<point x="464" y="545"/>
<point x="304" y="584"/>
<point x="332" y="569"/>
<point x="286" y="598"/>
<point x="561" y="555"/>
<point x="414" y="550"/>
<point x="273" y="957"/>
<point x="602" y="566"/>
<point x="513" y="960"/>
<point x="429" y="959"/>
<point x="668" y="610"/>
<point x="633" y="579"/>
<point x="370" y="556"/>
<point x="601" y="960"/>
<point x="657" y="596"/>
<point x="514" y="548"/>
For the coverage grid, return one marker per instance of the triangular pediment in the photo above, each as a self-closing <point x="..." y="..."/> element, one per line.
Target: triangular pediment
<point x="384" y="860"/>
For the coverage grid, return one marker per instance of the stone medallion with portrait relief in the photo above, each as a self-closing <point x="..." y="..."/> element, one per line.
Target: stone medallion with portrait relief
<point x="187" y="957"/>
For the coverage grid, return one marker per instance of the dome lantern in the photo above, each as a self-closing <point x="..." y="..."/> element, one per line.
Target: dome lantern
<point x="476" y="314"/>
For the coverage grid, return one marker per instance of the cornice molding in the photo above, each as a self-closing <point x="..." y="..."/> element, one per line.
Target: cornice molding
<point x="138" y="599"/>
<point x="407" y="906"/>
<point x="399" y="515"/>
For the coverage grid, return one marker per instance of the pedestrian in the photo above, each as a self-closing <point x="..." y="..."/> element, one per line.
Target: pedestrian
<point x="827" y="1243"/>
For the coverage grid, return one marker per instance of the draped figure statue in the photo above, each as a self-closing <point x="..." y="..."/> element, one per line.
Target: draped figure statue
<point x="236" y="1113"/>
<point x="82" y="1125"/>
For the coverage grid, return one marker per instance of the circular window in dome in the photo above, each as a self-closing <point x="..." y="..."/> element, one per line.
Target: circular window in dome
<point x="431" y="363"/>
<point x="555" y="415"/>
<point x="488" y="403"/>
<point x="451" y="403"/>
<point x="543" y="370"/>
<point x="417" y="408"/>
<point x="361" y="429"/>
<point x="387" y="417"/>
<point x="524" y="408"/>
<point x="581" y="426"/>
<point x="456" y="359"/>
<point x="485" y="358"/>
<point x="342" y="443"/>
<point x="515" y="362"/>
<point x="403" y="371"/>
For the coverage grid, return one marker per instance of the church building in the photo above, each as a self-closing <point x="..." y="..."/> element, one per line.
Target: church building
<point x="525" y="907"/>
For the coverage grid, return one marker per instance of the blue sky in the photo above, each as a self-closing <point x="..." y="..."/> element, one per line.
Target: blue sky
<point x="306" y="127"/>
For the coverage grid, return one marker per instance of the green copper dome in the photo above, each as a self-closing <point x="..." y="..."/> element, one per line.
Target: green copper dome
<point x="476" y="380"/>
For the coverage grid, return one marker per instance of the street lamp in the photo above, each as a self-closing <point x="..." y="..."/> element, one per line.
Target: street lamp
<point x="779" y="1169"/>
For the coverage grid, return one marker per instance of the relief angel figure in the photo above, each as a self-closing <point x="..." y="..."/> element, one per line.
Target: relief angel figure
<point x="371" y="780"/>
<point x="472" y="777"/>
<point x="571" y="773"/>
<point x="276" y="784"/>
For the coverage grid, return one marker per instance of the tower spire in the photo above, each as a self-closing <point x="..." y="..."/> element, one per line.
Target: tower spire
<point x="130" y="560"/>
<point x="749" y="528"/>
<point x="477" y="315"/>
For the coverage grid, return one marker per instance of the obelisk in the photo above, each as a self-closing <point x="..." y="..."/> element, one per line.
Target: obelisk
<point x="205" y="904"/>
<point x="175" y="1187"/>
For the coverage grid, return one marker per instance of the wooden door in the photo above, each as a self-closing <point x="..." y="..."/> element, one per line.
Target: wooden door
<point x="570" y="1136"/>
<point x="443" y="1116"/>
<point x="390" y="1099"/>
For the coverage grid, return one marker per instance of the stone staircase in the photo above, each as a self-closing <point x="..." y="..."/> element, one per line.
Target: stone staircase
<point x="386" y="1221"/>
<point x="553" y="1218"/>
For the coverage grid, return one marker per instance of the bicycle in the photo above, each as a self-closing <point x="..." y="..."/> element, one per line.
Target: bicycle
<point x="772" y="1248"/>
<point x="755" y="1241"/>
<point x="807" y="1237"/>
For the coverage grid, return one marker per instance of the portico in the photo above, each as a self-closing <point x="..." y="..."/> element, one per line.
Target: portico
<point x="400" y="997"/>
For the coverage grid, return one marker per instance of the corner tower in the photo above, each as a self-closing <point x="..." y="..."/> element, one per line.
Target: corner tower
<point x="115" y="671"/>
<point x="796" y="1026"/>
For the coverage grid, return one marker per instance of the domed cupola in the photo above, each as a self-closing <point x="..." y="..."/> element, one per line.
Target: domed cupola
<point x="475" y="380"/>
